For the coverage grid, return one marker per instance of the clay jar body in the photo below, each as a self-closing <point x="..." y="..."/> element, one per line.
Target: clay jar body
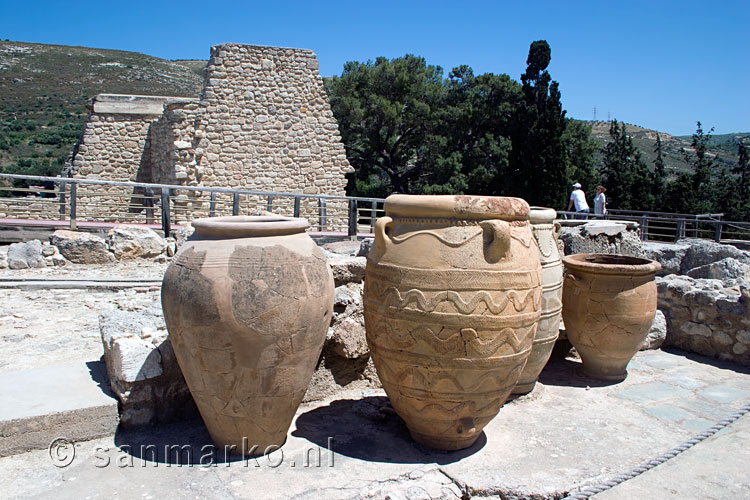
<point x="609" y="303"/>
<point x="247" y="302"/>
<point x="545" y="231"/>
<point x="452" y="299"/>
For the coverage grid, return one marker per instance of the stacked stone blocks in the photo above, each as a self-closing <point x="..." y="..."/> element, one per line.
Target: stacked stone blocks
<point x="262" y="123"/>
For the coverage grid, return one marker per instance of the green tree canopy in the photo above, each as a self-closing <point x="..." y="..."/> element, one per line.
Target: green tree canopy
<point x="386" y="113"/>
<point x="627" y="178"/>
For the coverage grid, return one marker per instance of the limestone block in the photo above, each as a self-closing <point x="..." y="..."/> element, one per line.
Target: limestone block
<point x="349" y="340"/>
<point x="725" y="269"/>
<point x="347" y="269"/>
<point x="131" y="242"/>
<point x="704" y="252"/>
<point x="82" y="248"/>
<point x="657" y="334"/>
<point x="141" y="365"/>
<point x="134" y="359"/>
<point x="26" y="255"/>
<point x="593" y="237"/>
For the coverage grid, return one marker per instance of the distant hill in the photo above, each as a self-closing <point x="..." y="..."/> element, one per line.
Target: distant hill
<point x="722" y="147"/>
<point x="44" y="90"/>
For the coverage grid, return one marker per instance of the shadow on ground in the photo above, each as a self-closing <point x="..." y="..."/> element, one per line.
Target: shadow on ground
<point x="568" y="372"/>
<point x="179" y="443"/>
<point x="369" y="429"/>
<point x="699" y="358"/>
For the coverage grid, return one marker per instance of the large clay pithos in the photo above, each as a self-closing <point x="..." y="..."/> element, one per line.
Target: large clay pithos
<point x="609" y="303"/>
<point x="247" y="302"/>
<point x="452" y="299"/>
<point x="545" y="231"/>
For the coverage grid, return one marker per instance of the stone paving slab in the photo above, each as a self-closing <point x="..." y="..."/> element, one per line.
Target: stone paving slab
<point x="714" y="469"/>
<point x="41" y="404"/>
<point x="570" y="433"/>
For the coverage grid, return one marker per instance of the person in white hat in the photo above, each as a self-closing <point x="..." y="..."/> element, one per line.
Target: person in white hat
<point x="578" y="198"/>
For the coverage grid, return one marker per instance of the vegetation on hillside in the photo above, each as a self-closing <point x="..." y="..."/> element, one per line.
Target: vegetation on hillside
<point x="44" y="90"/>
<point x="406" y="129"/>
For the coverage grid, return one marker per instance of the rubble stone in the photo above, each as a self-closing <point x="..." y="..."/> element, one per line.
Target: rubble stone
<point x="81" y="247"/>
<point x="26" y="255"/>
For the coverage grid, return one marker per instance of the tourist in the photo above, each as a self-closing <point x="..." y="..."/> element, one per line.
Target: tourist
<point x="578" y="198"/>
<point x="600" y="201"/>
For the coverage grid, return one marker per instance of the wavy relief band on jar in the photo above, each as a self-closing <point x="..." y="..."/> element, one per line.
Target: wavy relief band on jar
<point x="452" y="300"/>
<point x="479" y="337"/>
<point x="546" y="231"/>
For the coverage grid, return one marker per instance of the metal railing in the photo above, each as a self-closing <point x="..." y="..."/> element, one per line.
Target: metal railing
<point x="73" y="201"/>
<point x="84" y="201"/>
<point x="672" y="227"/>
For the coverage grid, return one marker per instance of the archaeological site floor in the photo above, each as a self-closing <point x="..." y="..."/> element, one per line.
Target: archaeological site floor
<point x="569" y="434"/>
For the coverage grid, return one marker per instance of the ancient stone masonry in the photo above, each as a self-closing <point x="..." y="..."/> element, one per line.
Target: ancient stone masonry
<point x="262" y="123"/>
<point x="114" y="146"/>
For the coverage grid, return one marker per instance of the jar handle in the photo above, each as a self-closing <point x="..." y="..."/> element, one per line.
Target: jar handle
<point x="558" y="229"/>
<point x="382" y="233"/>
<point x="496" y="239"/>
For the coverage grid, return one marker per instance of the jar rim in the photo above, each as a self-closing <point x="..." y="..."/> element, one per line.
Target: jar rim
<point x="457" y="206"/>
<point x="602" y="263"/>
<point x="237" y="226"/>
<point x="542" y="215"/>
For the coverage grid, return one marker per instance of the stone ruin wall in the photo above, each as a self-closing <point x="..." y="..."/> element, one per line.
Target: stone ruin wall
<point x="115" y="146"/>
<point x="262" y="123"/>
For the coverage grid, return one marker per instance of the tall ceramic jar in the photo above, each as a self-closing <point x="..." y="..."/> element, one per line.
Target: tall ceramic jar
<point x="247" y="302"/>
<point x="609" y="303"/>
<point x="452" y="299"/>
<point x="546" y="232"/>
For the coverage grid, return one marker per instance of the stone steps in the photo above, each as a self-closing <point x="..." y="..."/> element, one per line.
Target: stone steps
<point x="40" y="405"/>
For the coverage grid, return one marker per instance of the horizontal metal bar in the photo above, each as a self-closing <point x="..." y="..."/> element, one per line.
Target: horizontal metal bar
<point x="182" y="188"/>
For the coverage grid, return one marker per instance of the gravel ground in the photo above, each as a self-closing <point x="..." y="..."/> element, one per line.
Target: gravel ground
<point x="55" y="326"/>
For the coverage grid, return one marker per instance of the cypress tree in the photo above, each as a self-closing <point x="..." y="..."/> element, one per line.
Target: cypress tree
<point x="537" y="161"/>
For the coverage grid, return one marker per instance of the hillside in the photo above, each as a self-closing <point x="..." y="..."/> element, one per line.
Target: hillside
<point x="44" y="90"/>
<point x="723" y="147"/>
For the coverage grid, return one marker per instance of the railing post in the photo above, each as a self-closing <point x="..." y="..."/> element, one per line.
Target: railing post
<point x="269" y="203"/>
<point x="644" y="228"/>
<point x="296" y="206"/>
<point x="695" y="227"/>
<point x="149" y="203"/>
<point x="212" y="205"/>
<point x="235" y="203"/>
<point x="166" y="223"/>
<point x="322" y="213"/>
<point x="63" y="186"/>
<point x="73" y="192"/>
<point x="680" y="231"/>
<point x="373" y="215"/>
<point x="717" y="231"/>
<point x="353" y="219"/>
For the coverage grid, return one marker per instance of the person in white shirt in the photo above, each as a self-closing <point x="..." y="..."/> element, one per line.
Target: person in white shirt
<point x="600" y="201"/>
<point x="578" y="198"/>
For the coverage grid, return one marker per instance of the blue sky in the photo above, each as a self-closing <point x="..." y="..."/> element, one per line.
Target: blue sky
<point x="662" y="65"/>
